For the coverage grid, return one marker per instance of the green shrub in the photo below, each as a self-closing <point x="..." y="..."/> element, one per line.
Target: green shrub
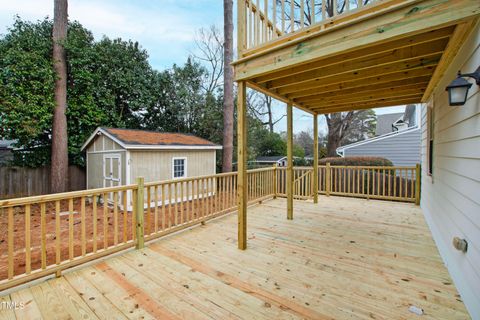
<point x="357" y="161"/>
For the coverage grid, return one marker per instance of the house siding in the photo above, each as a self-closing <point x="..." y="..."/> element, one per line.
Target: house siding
<point x="95" y="153"/>
<point x="451" y="197"/>
<point x="157" y="165"/>
<point x="402" y="149"/>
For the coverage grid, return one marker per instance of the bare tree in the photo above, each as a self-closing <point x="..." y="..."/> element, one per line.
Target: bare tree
<point x="347" y="127"/>
<point x="209" y="42"/>
<point x="260" y="106"/>
<point x="330" y="7"/>
<point x="59" y="167"/>
<point x="228" y="86"/>
<point x="340" y="125"/>
<point x="305" y="140"/>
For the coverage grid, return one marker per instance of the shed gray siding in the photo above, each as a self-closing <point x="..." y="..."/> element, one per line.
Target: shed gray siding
<point x="403" y="149"/>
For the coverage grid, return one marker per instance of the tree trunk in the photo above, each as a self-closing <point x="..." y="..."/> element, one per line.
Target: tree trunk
<point x="228" y="86"/>
<point x="268" y="103"/>
<point x="333" y="143"/>
<point x="59" y="173"/>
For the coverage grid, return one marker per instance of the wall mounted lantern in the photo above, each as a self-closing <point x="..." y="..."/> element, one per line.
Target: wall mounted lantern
<point x="458" y="88"/>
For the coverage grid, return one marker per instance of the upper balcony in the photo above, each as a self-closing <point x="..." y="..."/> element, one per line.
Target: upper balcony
<point x="327" y="56"/>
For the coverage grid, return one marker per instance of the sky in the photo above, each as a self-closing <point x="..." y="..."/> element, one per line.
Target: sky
<point x="165" y="28"/>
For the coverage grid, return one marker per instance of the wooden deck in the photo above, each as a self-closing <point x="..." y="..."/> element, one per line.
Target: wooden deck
<point x="386" y="53"/>
<point x="340" y="259"/>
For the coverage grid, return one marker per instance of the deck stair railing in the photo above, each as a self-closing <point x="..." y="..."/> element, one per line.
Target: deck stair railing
<point x="43" y="235"/>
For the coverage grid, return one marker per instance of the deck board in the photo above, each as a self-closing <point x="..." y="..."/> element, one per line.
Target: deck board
<point x="342" y="258"/>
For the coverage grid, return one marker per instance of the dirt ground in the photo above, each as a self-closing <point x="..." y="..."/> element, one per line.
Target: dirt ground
<point x="173" y="215"/>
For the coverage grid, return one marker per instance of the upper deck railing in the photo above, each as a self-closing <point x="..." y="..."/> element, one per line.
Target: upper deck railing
<point x="261" y="21"/>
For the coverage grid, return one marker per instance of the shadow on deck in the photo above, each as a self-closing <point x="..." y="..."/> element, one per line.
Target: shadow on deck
<point x="343" y="258"/>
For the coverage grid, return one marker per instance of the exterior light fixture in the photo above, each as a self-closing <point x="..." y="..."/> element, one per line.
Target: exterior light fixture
<point x="458" y="88"/>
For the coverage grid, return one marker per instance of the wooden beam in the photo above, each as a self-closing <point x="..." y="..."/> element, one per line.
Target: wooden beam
<point x="462" y="31"/>
<point x="424" y="50"/>
<point x="315" y="158"/>
<point x="367" y="105"/>
<point x="242" y="186"/>
<point x="367" y="97"/>
<point x="364" y="74"/>
<point x="388" y="86"/>
<point x="366" y="53"/>
<point x="410" y="20"/>
<point x="371" y="81"/>
<point x="273" y="94"/>
<point x="289" y="161"/>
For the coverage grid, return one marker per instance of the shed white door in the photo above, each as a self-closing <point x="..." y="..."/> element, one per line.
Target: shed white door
<point x="112" y="173"/>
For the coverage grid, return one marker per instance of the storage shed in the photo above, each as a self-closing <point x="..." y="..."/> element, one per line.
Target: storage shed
<point x="118" y="156"/>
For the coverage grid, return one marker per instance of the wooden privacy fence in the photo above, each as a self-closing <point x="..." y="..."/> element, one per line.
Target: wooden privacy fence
<point x="43" y="235"/>
<point x="23" y="182"/>
<point x="266" y="20"/>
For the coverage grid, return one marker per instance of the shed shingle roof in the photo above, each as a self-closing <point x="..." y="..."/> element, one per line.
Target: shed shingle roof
<point x="151" y="138"/>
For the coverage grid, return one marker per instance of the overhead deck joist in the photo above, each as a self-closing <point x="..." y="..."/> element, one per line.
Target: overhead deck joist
<point x="388" y="59"/>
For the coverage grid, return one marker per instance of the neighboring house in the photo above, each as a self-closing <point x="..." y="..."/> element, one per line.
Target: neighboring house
<point x="118" y="156"/>
<point x="6" y="151"/>
<point x="281" y="161"/>
<point x="385" y="122"/>
<point x="401" y="144"/>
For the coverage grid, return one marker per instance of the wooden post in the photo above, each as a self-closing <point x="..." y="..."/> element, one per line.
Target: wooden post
<point x="275" y="181"/>
<point x="242" y="186"/>
<point x="315" y="158"/>
<point x="418" y="178"/>
<point x="139" y="215"/>
<point x="289" y="161"/>
<point x="327" y="179"/>
<point x="241" y="27"/>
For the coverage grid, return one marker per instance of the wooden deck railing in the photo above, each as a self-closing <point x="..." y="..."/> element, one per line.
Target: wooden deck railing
<point x="46" y="234"/>
<point x="43" y="235"/>
<point x="387" y="183"/>
<point x="261" y="21"/>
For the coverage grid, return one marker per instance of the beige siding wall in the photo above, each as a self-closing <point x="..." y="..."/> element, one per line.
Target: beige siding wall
<point x="103" y="143"/>
<point x="101" y="146"/>
<point x="451" y="198"/>
<point x="157" y="165"/>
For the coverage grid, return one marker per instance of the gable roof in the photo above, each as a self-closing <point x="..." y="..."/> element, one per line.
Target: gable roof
<point x="143" y="139"/>
<point x="385" y="121"/>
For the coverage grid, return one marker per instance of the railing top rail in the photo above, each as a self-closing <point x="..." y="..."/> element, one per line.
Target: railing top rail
<point x="218" y="175"/>
<point x="374" y="167"/>
<point x="354" y="167"/>
<point x="91" y="192"/>
<point x="170" y="181"/>
<point x="63" y="196"/>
